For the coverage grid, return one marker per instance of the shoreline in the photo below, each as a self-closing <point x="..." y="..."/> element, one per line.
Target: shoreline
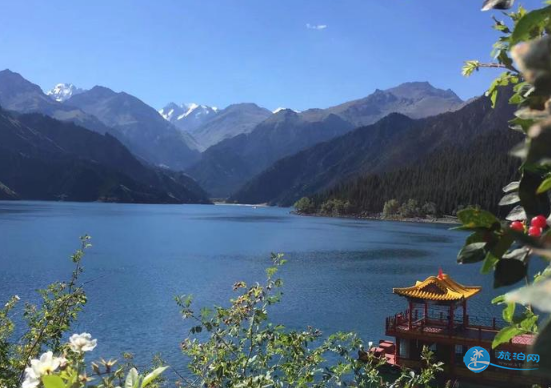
<point x="450" y="220"/>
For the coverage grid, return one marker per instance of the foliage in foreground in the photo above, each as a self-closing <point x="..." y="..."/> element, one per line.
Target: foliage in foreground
<point x="40" y="358"/>
<point x="237" y="346"/>
<point x="240" y="347"/>
<point x="523" y="51"/>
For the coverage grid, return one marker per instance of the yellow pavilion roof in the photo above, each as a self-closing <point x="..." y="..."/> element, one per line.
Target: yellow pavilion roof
<point x="438" y="288"/>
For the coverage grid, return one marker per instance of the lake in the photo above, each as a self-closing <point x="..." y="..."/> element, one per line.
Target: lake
<point x="339" y="275"/>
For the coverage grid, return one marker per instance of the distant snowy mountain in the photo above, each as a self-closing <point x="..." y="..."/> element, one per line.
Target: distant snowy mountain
<point x="139" y="127"/>
<point x="62" y="92"/>
<point x="187" y="117"/>
<point x="282" y="109"/>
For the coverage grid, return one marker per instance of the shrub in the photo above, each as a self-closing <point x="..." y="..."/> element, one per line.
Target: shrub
<point x="410" y="209"/>
<point x="237" y="346"/>
<point x="305" y="205"/>
<point x="391" y="208"/>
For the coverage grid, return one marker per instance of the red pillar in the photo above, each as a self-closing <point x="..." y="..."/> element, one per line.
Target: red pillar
<point x="410" y="315"/>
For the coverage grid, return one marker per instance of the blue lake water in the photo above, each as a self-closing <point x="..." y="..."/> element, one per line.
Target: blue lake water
<point x="339" y="276"/>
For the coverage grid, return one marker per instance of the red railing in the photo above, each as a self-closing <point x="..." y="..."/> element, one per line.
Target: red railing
<point x="439" y="323"/>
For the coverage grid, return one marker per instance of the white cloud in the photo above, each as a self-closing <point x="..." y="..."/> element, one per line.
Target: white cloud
<point x="316" y="26"/>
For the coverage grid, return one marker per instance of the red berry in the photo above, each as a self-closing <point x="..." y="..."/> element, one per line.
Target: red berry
<point x="517" y="225"/>
<point x="534" y="231"/>
<point x="539" y="221"/>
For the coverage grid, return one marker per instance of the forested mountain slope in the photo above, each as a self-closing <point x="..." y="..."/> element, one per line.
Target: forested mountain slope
<point x="451" y="178"/>
<point x="392" y="143"/>
<point x="43" y="158"/>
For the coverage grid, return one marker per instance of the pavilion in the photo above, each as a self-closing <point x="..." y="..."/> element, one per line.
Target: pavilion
<point x="437" y="317"/>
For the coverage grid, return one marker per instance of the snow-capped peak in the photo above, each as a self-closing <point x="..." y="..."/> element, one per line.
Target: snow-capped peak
<point x="197" y="110"/>
<point x="282" y="109"/>
<point x="175" y="112"/>
<point x="62" y="92"/>
<point x="170" y="111"/>
<point x="189" y="108"/>
<point x="187" y="116"/>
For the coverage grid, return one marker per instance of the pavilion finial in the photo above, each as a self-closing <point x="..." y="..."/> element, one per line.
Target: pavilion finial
<point x="440" y="273"/>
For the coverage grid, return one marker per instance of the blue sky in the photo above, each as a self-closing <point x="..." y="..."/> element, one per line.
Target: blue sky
<point x="219" y="52"/>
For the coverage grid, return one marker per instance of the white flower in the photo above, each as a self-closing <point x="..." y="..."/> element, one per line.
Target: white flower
<point x="45" y="365"/>
<point x="31" y="379"/>
<point x="82" y="343"/>
<point x="63" y="362"/>
<point x="30" y="382"/>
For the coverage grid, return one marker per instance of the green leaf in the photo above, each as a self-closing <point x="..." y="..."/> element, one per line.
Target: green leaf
<point x="53" y="381"/>
<point x="522" y="125"/>
<point x="527" y="321"/>
<point x="544" y="186"/>
<point x="153" y="375"/>
<point x="132" y="379"/>
<point x="502" y="246"/>
<point x="469" y="68"/>
<point x="509" y="312"/>
<point x="513" y="186"/>
<point x="503" y="80"/>
<point x="534" y="204"/>
<point x="516" y="99"/>
<point x="472" y="253"/>
<point x="517" y="214"/>
<point x="196" y="329"/>
<point x="476" y="218"/>
<point x="508" y="272"/>
<point x="271" y="271"/>
<point x="509" y="199"/>
<point x="489" y="263"/>
<point x="496" y="253"/>
<point x="517" y="254"/>
<point x="493" y="97"/>
<point x="526" y="25"/>
<point x="476" y="237"/>
<point x="505" y="335"/>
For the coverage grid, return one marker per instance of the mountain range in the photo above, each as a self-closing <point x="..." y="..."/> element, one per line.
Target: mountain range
<point x="42" y="158"/>
<point x="228" y="165"/>
<point x="243" y="152"/>
<point x="394" y="142"/>
<point x="413" y="99"/>
<point x="187" y="117"/>
<point x="138" y="126"/>
<point x="133" y="122"/>
<point x="210" y="126"/>
<point x="19" y="95"/>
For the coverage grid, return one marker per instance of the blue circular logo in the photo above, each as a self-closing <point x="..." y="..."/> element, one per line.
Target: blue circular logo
<point x="477" y="359"/>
